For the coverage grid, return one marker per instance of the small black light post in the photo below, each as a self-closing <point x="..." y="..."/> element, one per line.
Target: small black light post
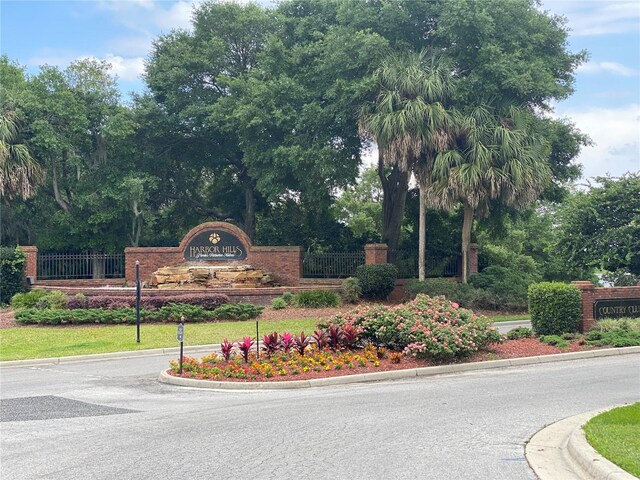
<point x="180" y="338"/>
<point x="138" y="292"/>
<point x="257" y="341"/>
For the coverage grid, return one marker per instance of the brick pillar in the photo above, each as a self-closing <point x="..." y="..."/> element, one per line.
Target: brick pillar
<point x="588" y="298"/>
<point x="473" y="258"/>
<point x="31" y="261"/>
<point x="375" y="253"/>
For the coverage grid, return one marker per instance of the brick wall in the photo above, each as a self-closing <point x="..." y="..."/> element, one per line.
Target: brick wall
<point x="31" y="263"/>
<point x="473" y="259"/>
<point x="591" y="293"/>
<point x="285" y="263"/>
<point x="375" y="253"/>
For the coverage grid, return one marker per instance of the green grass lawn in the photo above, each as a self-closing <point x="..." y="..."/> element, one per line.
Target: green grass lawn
<point x="616" y="436"/>
<point x="509" y="318"/>
<point x="46" y="342"/>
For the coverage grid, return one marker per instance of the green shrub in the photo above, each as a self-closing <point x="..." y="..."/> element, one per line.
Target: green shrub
<point x="425" y="327"/>
<point x="623" y="332"/>
<point x="41" y="299"/>
<point x="555" y="308"/>
<point x="554" y="340"/>
<point x="350" y="290"/>
<point x="377" y="281"/>
<point x="12" y="279"/>
<point x="288" y="297"/>
<point x="278" y="303"/>
<point x="237" y="311"/>
<point x="520" y="332"/>
<point x="461" y="293"/>
<point x="609" y="324"/>
<point x="508" y="287"/>
<point x="317" y="299"/>
<point x="56" y="300"/>
<point x="168" y="313"/>
<point x="27" y="299"/>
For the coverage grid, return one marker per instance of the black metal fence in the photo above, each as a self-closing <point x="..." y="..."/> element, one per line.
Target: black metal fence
<point x="407" y="263"/>
<point x="78" y="266"/>
<point x="331" y="265"/>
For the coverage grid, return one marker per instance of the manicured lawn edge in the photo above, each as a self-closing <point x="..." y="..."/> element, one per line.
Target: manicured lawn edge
<point x="614" y="435"/>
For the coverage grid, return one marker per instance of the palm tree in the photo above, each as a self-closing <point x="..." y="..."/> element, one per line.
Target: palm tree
<point x="20" y="174"/>
<point x="408" y="119"/>
<point x="492" y="157"/>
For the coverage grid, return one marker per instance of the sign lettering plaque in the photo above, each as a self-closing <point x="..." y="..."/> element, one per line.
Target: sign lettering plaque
<point x="616" y="308"/>
<point x="215" y="244"/>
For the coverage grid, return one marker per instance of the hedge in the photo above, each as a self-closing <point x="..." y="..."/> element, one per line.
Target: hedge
<point x="167" y="313"/>
<point x="555" y="308"/>
<point x="12" y="279"/>
<point x="115" y="302"/>
<point x="377" y="281"/>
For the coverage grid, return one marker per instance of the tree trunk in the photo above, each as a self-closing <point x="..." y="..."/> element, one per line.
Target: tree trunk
<point x="467" y="223"/>
<point x="249" y="210"/>
<point x="394" y="189"/>
<point x="98" y="267"/>
<point x="422" y="234"/>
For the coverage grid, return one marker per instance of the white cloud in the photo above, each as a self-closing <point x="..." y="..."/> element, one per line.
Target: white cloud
<point x="126" y="68"/>
<point x="607" y="67"/>
<point x="177" y="16"/>
<point x="616" y="136"/>
<point x="139" y="45"/>
<point x="597" y="17"/>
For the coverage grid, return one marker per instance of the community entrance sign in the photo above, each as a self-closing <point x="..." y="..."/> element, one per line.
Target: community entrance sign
<point x="616" y="308"/>
<point x="215" y="244"/>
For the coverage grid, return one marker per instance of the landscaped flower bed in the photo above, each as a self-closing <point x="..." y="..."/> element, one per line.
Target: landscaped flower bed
<point x="424" y="332"/>
<point x="315" y="363"/>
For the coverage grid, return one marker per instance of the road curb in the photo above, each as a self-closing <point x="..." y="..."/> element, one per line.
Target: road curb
<point x="109" y="356"/>
<point x="560" y="451"/>
<point x="392" y="374"/>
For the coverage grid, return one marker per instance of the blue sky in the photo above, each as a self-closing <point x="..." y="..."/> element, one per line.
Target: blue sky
<point x="606" y="104"/>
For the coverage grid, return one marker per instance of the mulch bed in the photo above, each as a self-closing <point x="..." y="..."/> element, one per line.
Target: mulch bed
<point x="526" y="347"/>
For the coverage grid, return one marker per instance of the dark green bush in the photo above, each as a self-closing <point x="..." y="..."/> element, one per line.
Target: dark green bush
<point x="288" y="297"/>
<point x="461" y="293"/>
<point x="168" y="313"/>
<point x="12" y="279"/>
<point x="621" y="336"/>
<point x="278" y="303"/>
<point x="317" y="299"/>
<point x="377" y="281"/>
<point x="350" y="290"/>
<point x="554" y="340"/>
<point x="237" y="311"/>
<point x="507" y="287"/>
<point x="520" y="332"/>
<point x="555" y="308"/>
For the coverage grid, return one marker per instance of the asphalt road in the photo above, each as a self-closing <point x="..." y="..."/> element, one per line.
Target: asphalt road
<point x="113" y="420"/>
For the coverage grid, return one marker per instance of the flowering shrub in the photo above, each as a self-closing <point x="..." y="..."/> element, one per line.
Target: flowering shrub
<point x="425" y="327"/>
